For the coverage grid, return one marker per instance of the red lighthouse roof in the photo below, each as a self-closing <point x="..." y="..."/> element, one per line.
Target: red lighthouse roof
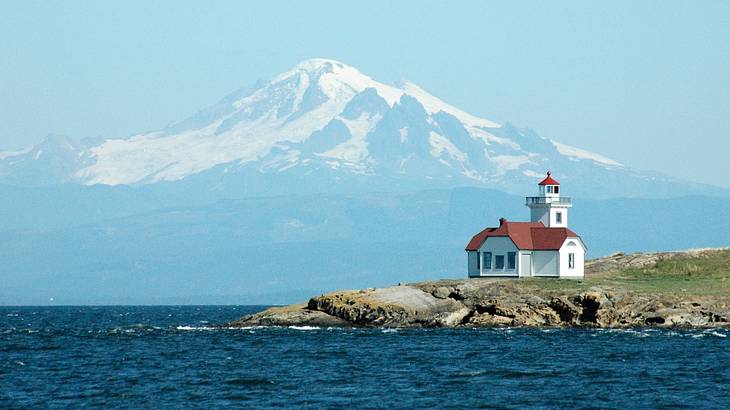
<point x="525" y="235"/>
<point x="549" y="180"/>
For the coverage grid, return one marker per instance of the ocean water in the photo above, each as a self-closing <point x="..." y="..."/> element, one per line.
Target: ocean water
<point x="172" y="357"/>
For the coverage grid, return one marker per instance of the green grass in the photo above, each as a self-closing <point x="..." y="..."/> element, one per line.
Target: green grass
<point x="705" y="275"/>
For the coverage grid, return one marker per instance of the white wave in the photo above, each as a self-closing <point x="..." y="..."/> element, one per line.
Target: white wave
<point x="472" y="373"/>
<point x="633" y="332"/>
<point x="248" y="327"/>
<point x="196" y="328"/>
<point x="709" y="332"/>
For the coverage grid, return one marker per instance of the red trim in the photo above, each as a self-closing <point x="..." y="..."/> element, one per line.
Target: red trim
<point x="549" y="180"/>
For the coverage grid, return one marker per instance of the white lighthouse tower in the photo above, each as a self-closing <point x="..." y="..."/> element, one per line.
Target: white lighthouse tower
<point x="549" y="207"/>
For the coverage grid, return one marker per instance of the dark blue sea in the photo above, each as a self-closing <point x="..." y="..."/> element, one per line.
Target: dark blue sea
<point x="172" y="357"/>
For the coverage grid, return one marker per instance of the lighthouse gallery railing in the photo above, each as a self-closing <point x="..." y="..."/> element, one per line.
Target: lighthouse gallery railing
<point x="547" y="200"/>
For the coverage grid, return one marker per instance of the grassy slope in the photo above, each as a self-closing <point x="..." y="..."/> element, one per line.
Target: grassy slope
<point x="704" y="275"/>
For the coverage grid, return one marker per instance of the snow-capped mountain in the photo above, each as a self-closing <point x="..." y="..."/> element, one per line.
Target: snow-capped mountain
<point x="321" y="111"/>
<point x="327" y="124"/>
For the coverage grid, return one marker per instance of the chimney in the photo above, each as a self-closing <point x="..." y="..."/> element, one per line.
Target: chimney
<point x="502" y="221"/>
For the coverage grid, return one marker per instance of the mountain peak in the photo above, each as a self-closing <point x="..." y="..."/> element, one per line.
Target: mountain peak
<point x="325" y="124"/>
<point x="331" y="76"/>
<point x="320" y="64"/>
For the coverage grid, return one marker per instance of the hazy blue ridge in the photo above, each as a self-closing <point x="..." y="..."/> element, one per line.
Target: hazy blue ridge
<point x="135" y="247"/>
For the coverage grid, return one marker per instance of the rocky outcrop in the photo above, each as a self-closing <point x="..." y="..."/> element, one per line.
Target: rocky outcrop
<point x="494" y="303"/>
<point x="498" y="302"/>
<point x="294" y="315"/>
<point x="393" y="306"/>
<point x="620" y="260"/>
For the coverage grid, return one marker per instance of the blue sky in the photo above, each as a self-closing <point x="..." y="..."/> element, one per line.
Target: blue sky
<point x="646" y="83"/>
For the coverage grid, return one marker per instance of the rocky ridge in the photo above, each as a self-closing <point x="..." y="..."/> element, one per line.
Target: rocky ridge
<point x="507" y="302"/>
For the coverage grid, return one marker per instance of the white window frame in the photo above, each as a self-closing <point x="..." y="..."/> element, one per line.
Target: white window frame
<point x="571" y="261"/>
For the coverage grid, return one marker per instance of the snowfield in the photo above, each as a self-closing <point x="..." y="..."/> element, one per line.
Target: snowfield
<point x="288" y="110"/>
<point x="320" y="115"/>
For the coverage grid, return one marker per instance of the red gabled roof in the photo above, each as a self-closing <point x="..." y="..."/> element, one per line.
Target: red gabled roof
<point x="550" y="238"/>
<point x="525" y="235"/>
<point x="549" y="180"/>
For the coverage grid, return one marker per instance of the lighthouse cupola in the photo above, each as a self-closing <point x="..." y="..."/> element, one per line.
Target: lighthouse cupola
<point x="549" y="187"/>
<point x="549" y="207"/>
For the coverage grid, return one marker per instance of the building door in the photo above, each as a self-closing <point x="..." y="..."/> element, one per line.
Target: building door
<point x="526" y="264"/>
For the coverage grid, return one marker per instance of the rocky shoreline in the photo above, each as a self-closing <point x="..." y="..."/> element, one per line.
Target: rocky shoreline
<point x="486" y="302"/>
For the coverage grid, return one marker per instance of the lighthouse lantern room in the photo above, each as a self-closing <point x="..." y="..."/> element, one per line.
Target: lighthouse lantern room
<point x="549" y="207"/>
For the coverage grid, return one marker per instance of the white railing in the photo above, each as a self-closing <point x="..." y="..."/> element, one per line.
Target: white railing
<point x="531" y="200"/>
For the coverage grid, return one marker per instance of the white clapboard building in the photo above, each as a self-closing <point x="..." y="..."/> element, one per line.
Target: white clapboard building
<point x="543" y="247"/>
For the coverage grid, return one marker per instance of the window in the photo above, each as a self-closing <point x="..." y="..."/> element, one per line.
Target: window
<point x="556" y="189"/>
<point x="487" y="260"/>
<point x="499" y="262"/>
<point x="478" y="267"/>
<point x="558" y="217"/>
<point x="550" y="189"/>
<point x="511" y="260"/>
<point x="571" y="261"/>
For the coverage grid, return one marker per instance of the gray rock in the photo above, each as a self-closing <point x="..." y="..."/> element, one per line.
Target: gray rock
<point x="441" y="292"/>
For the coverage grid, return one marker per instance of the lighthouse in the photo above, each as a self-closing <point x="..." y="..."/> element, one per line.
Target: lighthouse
<point x="548" y="206"/>
<point x="543" y="247"/>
